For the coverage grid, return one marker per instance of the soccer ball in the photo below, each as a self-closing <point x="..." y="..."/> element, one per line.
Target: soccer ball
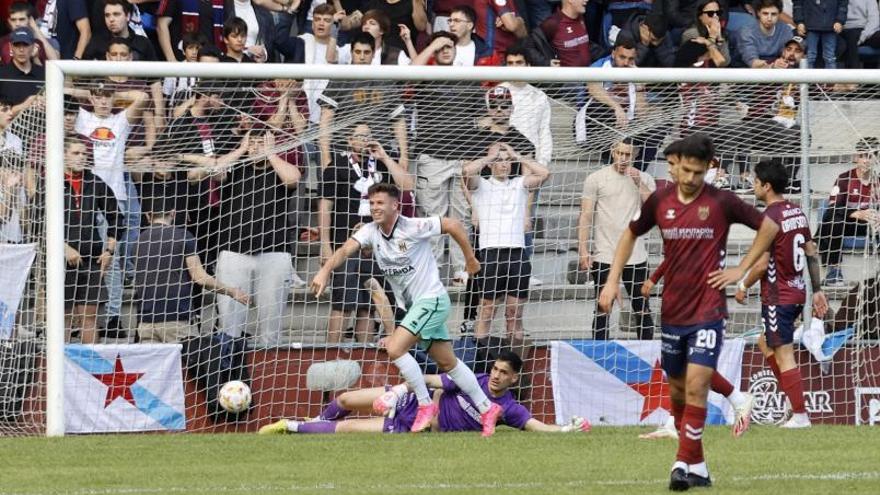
<point x="235" y="396"/>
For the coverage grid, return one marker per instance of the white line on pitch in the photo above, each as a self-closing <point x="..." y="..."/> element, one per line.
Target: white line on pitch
<point x="330" y="487"/>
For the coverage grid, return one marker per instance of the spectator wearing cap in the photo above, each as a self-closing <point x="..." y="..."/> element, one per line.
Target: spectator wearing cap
<point x="649" y="33"/>
<point x="21" y="14"/>
<point x="21" y="80"/>
<point x="117" y="15"/>
<point x="167" y="264"/>
<point x="762" y="42"/>
<point x="821" y="22"/>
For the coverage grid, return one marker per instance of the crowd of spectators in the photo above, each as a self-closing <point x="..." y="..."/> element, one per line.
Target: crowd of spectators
<point x="231" y="219"/>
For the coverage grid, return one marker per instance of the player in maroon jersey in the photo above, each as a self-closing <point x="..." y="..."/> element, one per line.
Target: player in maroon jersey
<point x="741" y="402"/>
<point x="783" y="291"/>
<point x="694" y="220"/>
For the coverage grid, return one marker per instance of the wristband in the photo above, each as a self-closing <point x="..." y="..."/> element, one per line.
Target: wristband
<point x="741" y="286"/>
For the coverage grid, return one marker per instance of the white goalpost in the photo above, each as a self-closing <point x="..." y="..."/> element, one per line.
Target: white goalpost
<point x="835" y="110"/>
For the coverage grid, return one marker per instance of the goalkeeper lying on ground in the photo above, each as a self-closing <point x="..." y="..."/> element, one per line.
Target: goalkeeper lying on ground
<point x="457" y="411"/>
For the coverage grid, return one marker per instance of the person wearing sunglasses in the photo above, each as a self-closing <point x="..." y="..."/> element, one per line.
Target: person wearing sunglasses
<point x="707" y="31"/>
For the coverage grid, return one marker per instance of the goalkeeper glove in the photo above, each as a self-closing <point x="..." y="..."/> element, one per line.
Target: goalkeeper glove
<point x="576" y="424"/>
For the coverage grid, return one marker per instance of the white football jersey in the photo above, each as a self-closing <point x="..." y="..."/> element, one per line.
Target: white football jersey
<point x="405" y="257"/>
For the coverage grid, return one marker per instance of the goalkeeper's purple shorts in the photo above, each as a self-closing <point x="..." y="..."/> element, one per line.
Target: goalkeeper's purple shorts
<point x="404" y="414"/>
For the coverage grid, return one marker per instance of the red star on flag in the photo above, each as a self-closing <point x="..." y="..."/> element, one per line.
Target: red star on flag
<point x="656" y="392"/>
<point x="118" y="383"/>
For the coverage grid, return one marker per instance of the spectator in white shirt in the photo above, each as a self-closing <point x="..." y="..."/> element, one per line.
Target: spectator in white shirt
<point x="500" y="206"/>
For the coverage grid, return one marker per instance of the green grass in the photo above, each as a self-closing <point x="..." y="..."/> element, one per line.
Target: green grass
<point x="823" y="460"/>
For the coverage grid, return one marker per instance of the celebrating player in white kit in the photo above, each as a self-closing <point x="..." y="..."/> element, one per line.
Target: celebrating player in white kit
<point x="402" y="248"/>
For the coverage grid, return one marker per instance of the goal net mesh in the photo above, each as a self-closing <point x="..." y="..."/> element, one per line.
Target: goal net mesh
<point x="225" y="192"/>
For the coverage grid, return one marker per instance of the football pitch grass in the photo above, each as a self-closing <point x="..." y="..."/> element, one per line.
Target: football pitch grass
<point x="823" y="460"/>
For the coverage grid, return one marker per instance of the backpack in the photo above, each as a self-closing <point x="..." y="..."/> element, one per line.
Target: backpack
<point x="212" y="360"/>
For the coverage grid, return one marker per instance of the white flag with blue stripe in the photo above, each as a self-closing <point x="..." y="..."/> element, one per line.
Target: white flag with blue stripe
<point x="622" y="383"/>
<point x="122" y="388"/>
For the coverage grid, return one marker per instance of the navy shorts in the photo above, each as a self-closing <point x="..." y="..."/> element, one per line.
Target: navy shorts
<point x="698" y="344"/>
<point x="779" y="322"/>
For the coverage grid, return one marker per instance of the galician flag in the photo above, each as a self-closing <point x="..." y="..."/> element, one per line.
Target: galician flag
<point x="16" y="260"/>
<point x="120" y="388"/>
<point x="622" y="383"/>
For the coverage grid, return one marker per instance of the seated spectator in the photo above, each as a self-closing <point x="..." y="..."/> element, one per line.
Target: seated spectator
<point x="166" y="266"/>
<point x="21" y="80"/>
<point x="499" y="24"/>
<point x="851" y="211"/>
<point x="762" y="42"/>
<point x="319" y="48"/>
<point x="376" y="24"/>
<point x="373" y="102"/>
<point x="862" y="28"/>
<point x="653" y="47"/>
<point x="87" y="256"/>
<point x="234" y="38"/>
<point x="530" y="108"/>
<point x="469" y="48"/>
<point x="117" y="15"/>
<point x="73" y="28"/>
<point x="566" y="32"/>
<point x="178" y="17"/>
<point x="143" y="133"/>
<point x="10" y="144"/>
<point x="444" y="110"/>
<point x="614" y="108"/>
<point x="17" y="180"/>
<point x="254" y="252"/>
<point x="706" y="30"/>
<point x="343" y="206"/>
<point x="500" y="205"/>
<point x="21" y="14"/>
<point x="820" y="22"/>
<point x="260" y="31"/>
<point x="410" y="13"/>
<point x="178" y="89"/>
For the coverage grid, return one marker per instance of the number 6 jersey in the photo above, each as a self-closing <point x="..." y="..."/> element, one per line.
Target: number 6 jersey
<point x="783" y="282"/>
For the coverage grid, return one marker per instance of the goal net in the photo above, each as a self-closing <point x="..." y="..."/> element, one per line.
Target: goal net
<point x="197" y="209"/>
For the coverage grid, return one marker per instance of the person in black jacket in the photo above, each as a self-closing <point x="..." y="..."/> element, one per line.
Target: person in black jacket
<point x="649" y="33"/>
<point x="87" y="257"/>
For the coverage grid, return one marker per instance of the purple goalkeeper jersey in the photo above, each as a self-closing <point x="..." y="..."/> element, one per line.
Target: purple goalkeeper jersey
<point x="458" y="412"/>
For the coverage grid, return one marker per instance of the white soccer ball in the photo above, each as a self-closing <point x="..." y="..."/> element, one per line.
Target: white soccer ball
<point x="235" y="396"/>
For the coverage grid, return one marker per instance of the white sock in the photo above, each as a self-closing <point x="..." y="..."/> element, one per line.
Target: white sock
<point x="736" y="398"/>
<point x="410" y="371"/>
<point x="699" y="469"/>
<point x="465" y="379"/>
<point x="292" y="425"/>
<point x="679" y="465"/>
<point x="400" y="390"/>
